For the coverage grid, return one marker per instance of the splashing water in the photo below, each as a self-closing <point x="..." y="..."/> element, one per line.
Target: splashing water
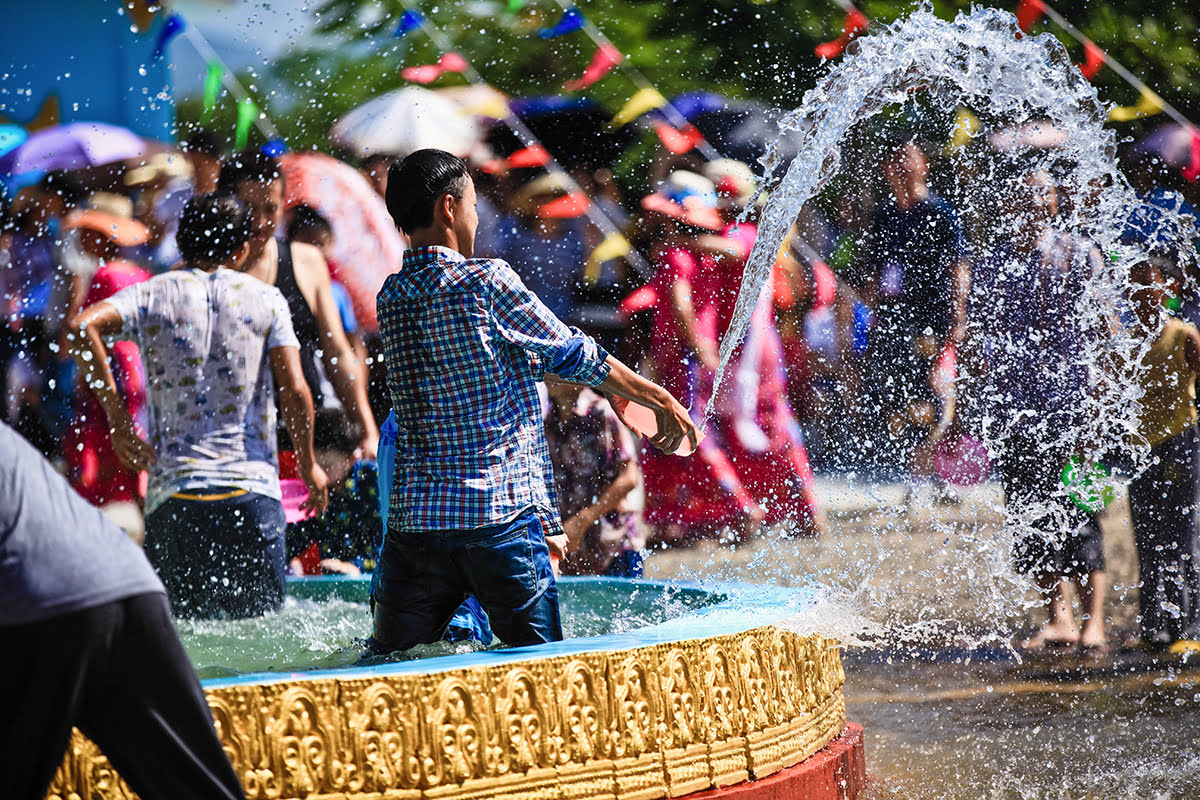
<point x="982" y="61"/>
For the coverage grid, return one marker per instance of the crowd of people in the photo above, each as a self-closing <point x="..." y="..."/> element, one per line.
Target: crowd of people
<point x="137" y="344"/>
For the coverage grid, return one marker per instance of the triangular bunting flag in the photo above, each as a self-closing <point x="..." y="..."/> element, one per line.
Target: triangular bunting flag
<point x="642" y="101"/>
<point x="533" y="156"/>
<point x="514" y="6"/>
<point x="428" y="73"/>
<point x="966" y="127"/>
<point x="854" y="24"/>
<point x="246" y="114"/>
<point x="606" y="57"/>
<point x="566" y="207"/>
<point x="1192" y="170"/>
<point x="572" y="20"/>
<point x="614" y="245"/>
<point x="1148" y="105"/>
<point x="638" y="300"/>
<point x="212" y="87"/>
<point x="173" y="26"/>
<point x="1028" y="13"/>
<point x="410" y="20"/>
<point x="1093" y="59"/>
<point x="676" y="140"/>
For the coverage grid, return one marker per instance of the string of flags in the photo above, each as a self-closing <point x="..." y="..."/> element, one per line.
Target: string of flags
<point x="574" y="202"/>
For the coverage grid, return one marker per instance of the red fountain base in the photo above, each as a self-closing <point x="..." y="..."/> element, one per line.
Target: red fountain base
<point x="838" y="772"/>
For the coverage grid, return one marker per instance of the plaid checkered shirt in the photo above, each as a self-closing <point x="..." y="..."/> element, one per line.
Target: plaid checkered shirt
<point x="465" y="343"/>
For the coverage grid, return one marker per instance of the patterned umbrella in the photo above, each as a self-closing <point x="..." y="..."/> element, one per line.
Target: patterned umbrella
<point x="405" y="120"/>
<point x="366" y="245"/>
<point x="74" y="146"/>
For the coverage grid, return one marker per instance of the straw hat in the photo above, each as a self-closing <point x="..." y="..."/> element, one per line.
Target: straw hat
<point x="734" y="181"/>
<point x="688" y="198"/>
<point x="112" y="215"/>
<point x="546" y="197"/>
<point x="164" y="165"/>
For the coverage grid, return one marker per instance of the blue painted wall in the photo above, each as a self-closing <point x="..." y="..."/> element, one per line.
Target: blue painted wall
<point x="86" y="52"/>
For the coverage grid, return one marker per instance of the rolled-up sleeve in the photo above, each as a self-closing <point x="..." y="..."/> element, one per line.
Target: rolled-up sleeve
<point x="524" y="320"/>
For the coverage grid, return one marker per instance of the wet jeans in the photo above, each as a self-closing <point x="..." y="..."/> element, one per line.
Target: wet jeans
<point x="220" y="558"/>
<point x="423" y="577"/>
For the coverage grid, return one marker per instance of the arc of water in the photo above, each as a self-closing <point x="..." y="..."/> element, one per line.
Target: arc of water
<point x="976" y="58"/>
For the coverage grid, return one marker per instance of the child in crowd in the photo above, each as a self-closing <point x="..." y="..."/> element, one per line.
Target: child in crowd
<point x="1162" y="500"/>
<point x="595" y="471"/>
<point x="345" y="540"/>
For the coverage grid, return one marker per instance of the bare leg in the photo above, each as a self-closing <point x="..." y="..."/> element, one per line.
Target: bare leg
<point x="1060" y="626"/>
<point x="1091" y="596"/>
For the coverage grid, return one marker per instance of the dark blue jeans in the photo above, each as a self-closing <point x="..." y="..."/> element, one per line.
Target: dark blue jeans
<point x="220" y="558"/>
<point x="423" y="577"/>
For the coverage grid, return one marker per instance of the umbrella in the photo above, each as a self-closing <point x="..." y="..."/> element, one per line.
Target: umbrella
<point x="74" y="146"/>
<point x="366" y="245"/>
<point x="402" y="121"/>
<point x="11" y="136"/>
<point x="1171" y="144"/>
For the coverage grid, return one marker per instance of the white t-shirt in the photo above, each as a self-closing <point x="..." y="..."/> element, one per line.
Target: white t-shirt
<point x="205" y="339"/>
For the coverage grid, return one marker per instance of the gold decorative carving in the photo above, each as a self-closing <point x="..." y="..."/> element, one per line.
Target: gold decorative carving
<point x="639" y="724"/>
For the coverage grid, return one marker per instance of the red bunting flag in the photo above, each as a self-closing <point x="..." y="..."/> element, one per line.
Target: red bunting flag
<point x="678" y="140"/>
<point x="1093" y="59"/>
<point x="533" y="156"/>
<point x="606" y="57"/>
<point x="428" y="73"/>
<point x="854" y="24"/>
<point x="566" y="207"/>
<point x="1028" y="13"/>
<point x="1192" y="170"/>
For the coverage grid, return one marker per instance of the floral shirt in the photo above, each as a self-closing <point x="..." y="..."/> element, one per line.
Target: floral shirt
<point x="205" y="339"/>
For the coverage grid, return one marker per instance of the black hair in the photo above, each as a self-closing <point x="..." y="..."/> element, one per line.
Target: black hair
<point x="418" y="181"/>
<point x="333" y="430"/>
<point x="248" y="165"/>
<point x="305" y="219"/>
<point x="212" y="228"/>
<point x="202" y="142"/>
<point x="67" y="185"/>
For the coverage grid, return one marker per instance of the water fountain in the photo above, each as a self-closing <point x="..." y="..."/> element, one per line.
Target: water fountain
<point x="731" y="686"/>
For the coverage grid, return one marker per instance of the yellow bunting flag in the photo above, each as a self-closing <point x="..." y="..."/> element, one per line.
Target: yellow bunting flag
<point x="966" y="127"/>
<point x="642" y="101"/>
<point x="1148" y="105"/>
<point x="613" y="246"/>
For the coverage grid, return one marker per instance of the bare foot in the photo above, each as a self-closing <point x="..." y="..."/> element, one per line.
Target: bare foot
<point x="1094" y="636"/>
<point x="1057" y="635"/>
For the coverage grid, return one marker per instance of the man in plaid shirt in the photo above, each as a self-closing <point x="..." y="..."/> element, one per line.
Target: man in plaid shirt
<point x="473" y="506"/>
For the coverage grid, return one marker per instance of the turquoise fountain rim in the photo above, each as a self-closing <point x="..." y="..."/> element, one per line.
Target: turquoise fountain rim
<point x="727" y="616"/>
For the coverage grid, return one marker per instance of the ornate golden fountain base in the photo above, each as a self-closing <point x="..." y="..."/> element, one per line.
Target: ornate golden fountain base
<point x="663" y="720"/>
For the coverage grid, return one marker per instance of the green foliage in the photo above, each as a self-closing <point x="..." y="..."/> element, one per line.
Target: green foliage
<point x="734" y="47"/>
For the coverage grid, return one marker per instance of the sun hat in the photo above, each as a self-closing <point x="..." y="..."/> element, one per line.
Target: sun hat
<point x="165" y="165"/>
<point x="551" y="196"/>
<point x="688" y="198"/>
<point x="112" y="215"/>
<point x="734" y="180"/>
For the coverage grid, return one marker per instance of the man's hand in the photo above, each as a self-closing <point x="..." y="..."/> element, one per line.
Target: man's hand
<point x="674" y="425"/>
<point x="368" y="448"/>
<point x="133" y="451"/>
<point x="558" y="546"/>
<point x="318" y="492"/>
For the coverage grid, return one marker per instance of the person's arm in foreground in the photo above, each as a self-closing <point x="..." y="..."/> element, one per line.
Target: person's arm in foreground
<point x="86" y="340"/>
<point x="526" y="322"/>
<point x="346" y="372"/>
<point x="295" y="401"/>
